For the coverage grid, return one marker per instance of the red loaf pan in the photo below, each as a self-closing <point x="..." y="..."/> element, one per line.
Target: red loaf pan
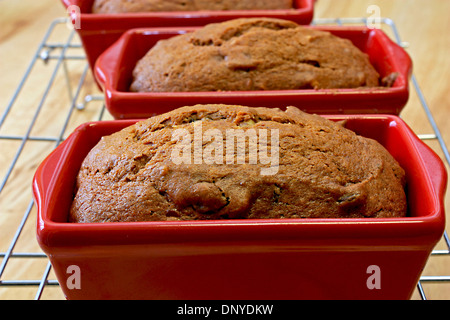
<point x="98" y="31"/>
<point x="243" y="259"/>
<point x="114" y="69"/>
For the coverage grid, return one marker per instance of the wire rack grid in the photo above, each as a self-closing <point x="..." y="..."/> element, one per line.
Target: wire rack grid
<point x="68" y="97"/>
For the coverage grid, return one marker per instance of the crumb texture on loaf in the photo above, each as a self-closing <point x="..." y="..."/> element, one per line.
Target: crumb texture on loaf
<point x="253" y="54"/>
<point x="126" y="6"/>
<point x="324" y="171"/>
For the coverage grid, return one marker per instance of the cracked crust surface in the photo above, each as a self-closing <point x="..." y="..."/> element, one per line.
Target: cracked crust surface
<point x="324" y="171"/>
<point x="124" y="6"/>
<point x="253" y="54"/>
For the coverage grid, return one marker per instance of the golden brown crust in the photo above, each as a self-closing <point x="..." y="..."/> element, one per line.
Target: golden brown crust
<point x="253" y="54"/>
<point x="323" y="171"/>
<point x="125" y="6"/>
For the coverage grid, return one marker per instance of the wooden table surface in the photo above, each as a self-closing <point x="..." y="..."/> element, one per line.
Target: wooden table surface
<point x="422" y="25"/>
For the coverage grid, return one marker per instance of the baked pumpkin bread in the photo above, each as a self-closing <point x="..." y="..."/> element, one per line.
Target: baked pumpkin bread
<point x="125" y="6"/>
<point x="189" y="164"/>
<point x="253" y="54"/>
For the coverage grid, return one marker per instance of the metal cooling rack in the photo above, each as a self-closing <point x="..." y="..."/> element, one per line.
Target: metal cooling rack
<point x="69" y="90"/>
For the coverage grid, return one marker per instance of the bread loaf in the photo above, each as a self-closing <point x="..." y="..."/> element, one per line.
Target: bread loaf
<point x="189" y="164"/>
<point x="126" y="6"/>
<point x="253" y="54"/>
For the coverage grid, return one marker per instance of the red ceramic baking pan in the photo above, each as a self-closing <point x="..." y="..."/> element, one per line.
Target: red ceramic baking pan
<point x="114" y="69"/>
<point x="98" y="31"/>
<point x="243" y="259"/>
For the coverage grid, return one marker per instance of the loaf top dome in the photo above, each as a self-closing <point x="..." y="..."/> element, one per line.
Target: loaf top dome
<point x="127" y="6"/>
<point x="306" y="167"/>
<point x="253" y="54"/>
